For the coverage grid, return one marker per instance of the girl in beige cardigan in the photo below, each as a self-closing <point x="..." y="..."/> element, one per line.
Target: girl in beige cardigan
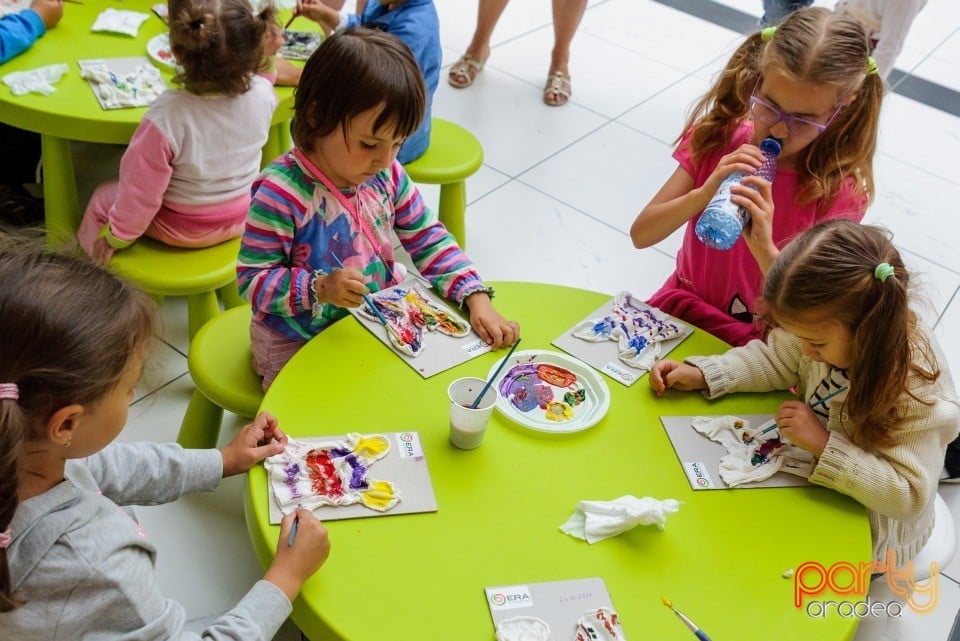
<point x="837" y="297"/>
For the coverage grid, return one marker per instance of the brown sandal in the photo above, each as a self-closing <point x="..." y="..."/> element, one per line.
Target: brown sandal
<point x="464" y="71"/>
<point x="557" y="90"/>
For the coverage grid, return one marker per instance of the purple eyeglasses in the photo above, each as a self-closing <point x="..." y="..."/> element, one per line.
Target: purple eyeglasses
<point x="770" y="115"/>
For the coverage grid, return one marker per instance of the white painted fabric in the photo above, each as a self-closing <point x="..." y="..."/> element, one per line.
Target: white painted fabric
<point x="523" y="629"/>
<point x="137" y="89"/>
<point x="118" y="21"/>
<point x="601" y="624"/>
<point x="597" y="520"/>
<point x="39" y="80"/>
<point x="737" y="467"/>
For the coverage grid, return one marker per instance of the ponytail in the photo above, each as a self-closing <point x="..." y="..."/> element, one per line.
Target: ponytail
<point x="11" y="443"/>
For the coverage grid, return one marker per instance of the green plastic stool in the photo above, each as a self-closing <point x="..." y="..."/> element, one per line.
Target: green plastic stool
<point x="454" y="154"/>
<point x="220" y="364"/>
<point x="161" y="270"/>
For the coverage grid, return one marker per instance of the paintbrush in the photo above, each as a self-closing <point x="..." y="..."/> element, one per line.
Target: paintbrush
<point x="770" y="428"/>
<point x="366" y="297"/>
<point x="293" y="530"/>
<point x="490" y="381"/>
<point x="700" y="634"/>
<point x="73" y="1"/>
<point x="290" y="21"/>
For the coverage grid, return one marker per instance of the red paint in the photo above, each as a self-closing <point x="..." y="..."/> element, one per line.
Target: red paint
<point x="323" y="474"/>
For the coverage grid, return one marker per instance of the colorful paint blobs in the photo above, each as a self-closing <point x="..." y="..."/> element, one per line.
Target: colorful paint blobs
<point x="531" y="385"/>
<point x="765" y="450"/>
<point x="331" y="474"/>
<point x="298" y="45"/>
<point x="408" y="312"/>
<point x="637" y="329"/>
<point x="602" y="624"/>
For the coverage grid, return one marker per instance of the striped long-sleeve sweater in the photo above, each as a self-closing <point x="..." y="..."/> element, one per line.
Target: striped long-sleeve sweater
<point x="296" y="225"/>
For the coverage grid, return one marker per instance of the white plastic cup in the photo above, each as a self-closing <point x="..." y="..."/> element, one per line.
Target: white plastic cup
<point x="467" y="425"/>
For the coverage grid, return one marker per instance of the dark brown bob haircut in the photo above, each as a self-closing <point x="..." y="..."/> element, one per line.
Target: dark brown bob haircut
<point x="354" y="71"/>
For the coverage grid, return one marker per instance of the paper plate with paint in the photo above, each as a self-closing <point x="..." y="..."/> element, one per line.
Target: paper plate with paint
<point x="158" y="47"/>
<point x="551" y="392"/>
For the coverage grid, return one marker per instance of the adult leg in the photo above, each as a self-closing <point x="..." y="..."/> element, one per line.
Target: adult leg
<point x="465" y="70"/>
<point x="776" y="10"/>
<point x="566" y="18"/>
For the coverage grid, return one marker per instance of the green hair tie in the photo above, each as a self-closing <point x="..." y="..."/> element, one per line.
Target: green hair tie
<point x="883" y="272"/>
<point x="871" y="66"/>
<point x="766" y="34"/>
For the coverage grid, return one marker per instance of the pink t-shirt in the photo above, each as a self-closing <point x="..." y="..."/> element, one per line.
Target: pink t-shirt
<point x="717" y="289"/>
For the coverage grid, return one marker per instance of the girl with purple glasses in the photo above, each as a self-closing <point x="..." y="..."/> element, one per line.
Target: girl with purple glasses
<point x="810" y="83"/>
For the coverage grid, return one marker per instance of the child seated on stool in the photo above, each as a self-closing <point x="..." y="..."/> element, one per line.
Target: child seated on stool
<point x="837" y="296"/>
<point x="185" y="178"/>
<point x="338" y="195"/>
<point x="416" y="23"/>
<point x="74" y="563"/>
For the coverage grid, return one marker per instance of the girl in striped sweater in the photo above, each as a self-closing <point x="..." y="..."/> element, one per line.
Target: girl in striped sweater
<point x="338" y="195"/>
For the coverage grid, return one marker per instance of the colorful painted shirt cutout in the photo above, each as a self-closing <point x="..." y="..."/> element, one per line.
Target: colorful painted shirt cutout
<point x="314" y="475"/>
<point x="407" y="312"/>
<point x="637" y="329"/>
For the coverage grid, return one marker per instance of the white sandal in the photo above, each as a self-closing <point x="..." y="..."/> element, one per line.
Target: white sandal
<point x="464" y="71"/>
<point x="557" y="90"/>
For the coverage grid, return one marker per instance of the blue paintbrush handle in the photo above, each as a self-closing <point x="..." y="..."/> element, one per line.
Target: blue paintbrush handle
<point x="700" y="634"/>
<point x="812" y="405"/>
<point x="506" y="358"/>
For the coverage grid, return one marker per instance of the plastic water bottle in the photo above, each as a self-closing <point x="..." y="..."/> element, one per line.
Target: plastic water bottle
<point x="722" y="221"/>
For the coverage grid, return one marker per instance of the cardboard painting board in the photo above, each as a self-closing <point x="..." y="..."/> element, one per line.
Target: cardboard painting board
<point x="440" y="352"/>
<point x="404" y="465"/>
<point x="559" y="603"/>
<point x="605" y="355"/>
<point x="700" y="457"/>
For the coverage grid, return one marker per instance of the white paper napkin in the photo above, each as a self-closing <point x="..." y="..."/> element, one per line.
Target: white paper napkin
<point x="118" y="21"/>
<point x="598" y="520"/>
<point x="39" y="80"/>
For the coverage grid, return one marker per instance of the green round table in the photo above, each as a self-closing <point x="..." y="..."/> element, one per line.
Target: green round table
<point x="72" y="112"/>
<point x="422" y="576"/>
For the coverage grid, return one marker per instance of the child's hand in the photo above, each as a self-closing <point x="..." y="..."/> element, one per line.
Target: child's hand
<point x="316" y="10"/>
<point x="799" y="425"/>
<point x="678" y="376"/>
<point x="746" y="158"/>
<point x="102" y="252"/>
<point x="50" y="11"/>
<point x="342" y="287"/>
<point x="255" y="442"/>
<point x="755" y="194"/>
<point x="487" y="322"/>
<point x="295" y="563"/>
<point x="272" y="39"/>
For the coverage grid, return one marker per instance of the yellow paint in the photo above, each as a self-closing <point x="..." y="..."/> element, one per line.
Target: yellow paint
<point x="381" y="496"/>
<point x="371" y="447"/>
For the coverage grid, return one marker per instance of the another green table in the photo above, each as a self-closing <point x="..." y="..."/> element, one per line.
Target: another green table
<point x="422" y="576"/>
<point x="72" y="111"/>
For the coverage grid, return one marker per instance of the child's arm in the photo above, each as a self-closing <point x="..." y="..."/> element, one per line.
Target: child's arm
<point x="755" y="367"/>
<point x="679" y="376"/>
<point x="679" y="199"/>
<point x="18" y="31"/>
<point x="145" y="172"/>
<point x="328" y="18"/>
<point x="490" y="326"/>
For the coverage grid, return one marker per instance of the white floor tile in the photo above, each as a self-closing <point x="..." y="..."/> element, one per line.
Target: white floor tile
<point x="949" y="338"/>
<point x="570" y="248"/>
<point x="920" y="136"/>
<point x="664" y="115"/>
<point x="163" y="365"/>
<point x="501" y="110"/>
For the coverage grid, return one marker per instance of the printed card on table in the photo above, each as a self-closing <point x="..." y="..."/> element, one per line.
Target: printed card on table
<point x="559" y="604"/>
<point x="624" y="338"/>
<point x="706" y="462"/>
<point x="421" y="327"/>
<point x="351" y="476"/>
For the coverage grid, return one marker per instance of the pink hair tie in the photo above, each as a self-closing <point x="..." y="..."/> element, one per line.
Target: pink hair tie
<point x="9" y="390"/>
<point x="5" y="539"/>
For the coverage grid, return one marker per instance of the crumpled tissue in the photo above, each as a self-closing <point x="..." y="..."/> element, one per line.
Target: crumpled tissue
<point x="39" y="80"/>
<point x="118" y="21"/>
<point x="598" y="520"/>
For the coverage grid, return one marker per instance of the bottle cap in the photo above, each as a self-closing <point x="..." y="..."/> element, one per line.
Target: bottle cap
<point x="770" y="145"/>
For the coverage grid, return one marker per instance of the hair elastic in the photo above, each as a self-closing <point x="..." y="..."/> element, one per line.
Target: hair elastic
<point x="5" y="539"/>
<point x="9" y="390"/>
<point x="766" y="34"/>
<point x="883" y="272"/>
<point x="871" y="66"/>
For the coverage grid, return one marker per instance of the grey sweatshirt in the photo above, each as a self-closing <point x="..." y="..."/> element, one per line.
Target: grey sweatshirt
<point x="85" y="568"/>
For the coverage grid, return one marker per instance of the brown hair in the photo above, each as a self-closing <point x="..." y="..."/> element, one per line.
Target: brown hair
<point x="830" y="269"/>
<point x="219" y="43"/>
<point x="69" y="330"/>
<point x="812" y="45"/>
<point x="354" y="71"/>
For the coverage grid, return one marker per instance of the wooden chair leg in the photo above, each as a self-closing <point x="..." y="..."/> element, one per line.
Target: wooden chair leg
<point x="200" y="428"/>
<point x="452" y="210"/>
<point x="201" y="308"/>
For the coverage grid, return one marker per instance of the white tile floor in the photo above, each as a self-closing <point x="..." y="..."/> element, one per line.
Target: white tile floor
<point x="553" y="203"/>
